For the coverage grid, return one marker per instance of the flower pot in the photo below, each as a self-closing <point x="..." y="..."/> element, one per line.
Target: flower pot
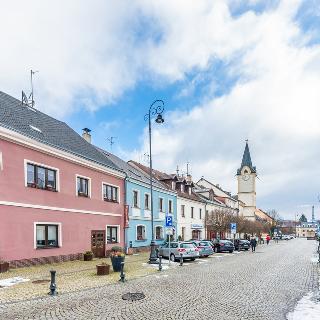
<point x="87" y="257"/>
<point x="4" y="266"/>
<point x="103" y="269"/>
<point x="116" y="263"/>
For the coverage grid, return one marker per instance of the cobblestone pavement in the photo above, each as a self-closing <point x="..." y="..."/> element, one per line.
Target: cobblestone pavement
<point x="261" y="285"/>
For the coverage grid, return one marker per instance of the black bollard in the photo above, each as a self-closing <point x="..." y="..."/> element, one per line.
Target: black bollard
<point x="181" y="260"/>
<point x="53" y="286"/>
<point x="160" y="263"/>
<point x="122" y="275"/>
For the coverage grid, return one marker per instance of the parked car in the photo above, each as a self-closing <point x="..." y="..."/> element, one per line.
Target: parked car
<point x="187" y="249"/>
<point x="285" y="237"/>
<point x="241" y="244"/>
<point x="223" y="245"/>
<point x="205" y="248"/>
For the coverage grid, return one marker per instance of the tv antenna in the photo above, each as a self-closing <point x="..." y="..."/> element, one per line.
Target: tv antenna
<point x="29" y="101"/>
<point x="111" y="141"/>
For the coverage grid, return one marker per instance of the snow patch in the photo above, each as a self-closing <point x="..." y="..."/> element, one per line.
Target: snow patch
<point x="308" y="308"/>
<point x="12" y="281"/>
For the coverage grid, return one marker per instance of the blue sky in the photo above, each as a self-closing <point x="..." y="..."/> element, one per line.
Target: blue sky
<point x="227" y="70"/>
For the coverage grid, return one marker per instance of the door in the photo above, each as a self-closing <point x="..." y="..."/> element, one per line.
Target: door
<point x="98" y="243"/>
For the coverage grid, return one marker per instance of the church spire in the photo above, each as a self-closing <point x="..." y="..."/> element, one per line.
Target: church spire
<point x="246" y="160"/>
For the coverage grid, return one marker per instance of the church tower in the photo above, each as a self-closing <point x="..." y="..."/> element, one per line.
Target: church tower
<point x="246" y="175"/>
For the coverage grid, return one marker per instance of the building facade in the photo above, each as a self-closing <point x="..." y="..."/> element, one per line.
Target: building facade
<point x="138" y="200"/>
<point x="59" y="196"/>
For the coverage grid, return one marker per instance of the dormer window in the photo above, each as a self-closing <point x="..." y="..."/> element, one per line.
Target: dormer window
<point x="182" y="187"/>
<point x="245" y="171"/>
<point x="173" y="185"/>
<point x="189" y="190"/>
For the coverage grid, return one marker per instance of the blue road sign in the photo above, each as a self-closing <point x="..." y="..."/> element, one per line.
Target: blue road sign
<point x="233" y="227"/>
<point x="168" y="221"/>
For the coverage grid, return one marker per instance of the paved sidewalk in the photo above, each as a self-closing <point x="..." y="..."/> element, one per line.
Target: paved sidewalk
<point x="71" y="276"/>
<point x="262" y="285"/>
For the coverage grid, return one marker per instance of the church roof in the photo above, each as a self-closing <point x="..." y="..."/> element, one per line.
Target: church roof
<point x="246" y="160"/>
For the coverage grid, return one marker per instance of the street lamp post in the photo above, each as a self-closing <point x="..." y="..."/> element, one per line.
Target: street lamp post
<point x="156" y="109"/>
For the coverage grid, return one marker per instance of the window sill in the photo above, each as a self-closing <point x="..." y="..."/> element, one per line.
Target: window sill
<point x="113" y="201"/>
<point x="135" y="207"/>
<point x="142" y="240"/>
<point x="45" y="189"/>
<point x="41" y="248"/>
<point x="83" y="195"/>
<point x="113" y="242"/>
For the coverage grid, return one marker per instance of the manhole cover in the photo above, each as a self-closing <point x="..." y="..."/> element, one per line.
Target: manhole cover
<point x="41" y="281"/>
<point x="133" y="296"/>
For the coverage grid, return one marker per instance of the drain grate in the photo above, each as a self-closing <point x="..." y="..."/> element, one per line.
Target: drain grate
<point x="40" y="281"/>
<point x="133" y="296"/>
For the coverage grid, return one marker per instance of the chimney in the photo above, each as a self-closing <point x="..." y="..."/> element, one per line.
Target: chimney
<point x="188" y="178"/>
<point x="86" y="134"/>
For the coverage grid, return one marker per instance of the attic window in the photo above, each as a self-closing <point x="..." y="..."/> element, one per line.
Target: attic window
<point x="245" y="171"/>
<point x="35" y="128"/>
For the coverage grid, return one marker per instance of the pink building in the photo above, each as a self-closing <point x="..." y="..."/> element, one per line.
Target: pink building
<point x="59" y="196"/>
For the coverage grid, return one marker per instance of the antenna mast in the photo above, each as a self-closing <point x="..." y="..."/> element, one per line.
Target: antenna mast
<point x="29" y="101"/>
<point x="111" y="141"/>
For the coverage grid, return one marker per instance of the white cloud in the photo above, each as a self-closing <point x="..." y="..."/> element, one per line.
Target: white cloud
<point x="90" y="54"/>
<point x="276" y="106"/>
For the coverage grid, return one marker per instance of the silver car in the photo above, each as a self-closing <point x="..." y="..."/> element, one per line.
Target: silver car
<point x="187" y="249"/>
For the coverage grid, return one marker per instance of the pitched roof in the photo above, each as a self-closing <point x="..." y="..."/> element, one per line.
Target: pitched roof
<point x="166" y="179"/>
<point x="130" y="170"/>
<point x="246" y="160"/>
<point x="36" y="125"/>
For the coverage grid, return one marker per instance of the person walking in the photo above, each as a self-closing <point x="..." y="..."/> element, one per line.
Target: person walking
<point x="268" y="238"/>
<point x="253" y="243"/>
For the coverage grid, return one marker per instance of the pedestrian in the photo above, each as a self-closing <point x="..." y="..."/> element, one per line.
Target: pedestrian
<point x="268" y="239"/>
<point x="253" y="243"/>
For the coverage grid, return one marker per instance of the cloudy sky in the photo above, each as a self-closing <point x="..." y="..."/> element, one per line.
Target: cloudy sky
<point x="227" y="70"/>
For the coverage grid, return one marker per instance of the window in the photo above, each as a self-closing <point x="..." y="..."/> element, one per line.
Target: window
<point x="147" y="201"/>
<point x="200" y="213"/>
<point x="170" y="206"/>
<point x="182" y="211"/>
<point x="161" y="209"/>
<point x="192" y="209"/>
<point x="83" y="187"/>
<point x="159" y="233"/>
<point x="41" y="177"/>
<point x="183" y="232"/>
<point x="112" y="234"/>
<point x="141" y="233"/>
<point x="135" y="199"/>
<point x="110" y="193"/>
<point x="46" y="236"/>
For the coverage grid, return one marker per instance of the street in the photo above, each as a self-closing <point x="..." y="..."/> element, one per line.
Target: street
<point x="263" y="285"/>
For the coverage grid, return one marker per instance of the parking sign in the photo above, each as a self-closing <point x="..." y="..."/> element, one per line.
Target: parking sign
<point x="168" y="221"/>
<point x="233" y="228"/>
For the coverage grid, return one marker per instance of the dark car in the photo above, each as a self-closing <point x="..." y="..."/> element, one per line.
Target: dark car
<point x="241" y="244"/>
<point x="205" y="247"/>
<point x="223" y="246"/>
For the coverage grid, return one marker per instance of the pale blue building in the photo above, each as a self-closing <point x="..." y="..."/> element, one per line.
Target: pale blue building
<point x="138" y="201"/>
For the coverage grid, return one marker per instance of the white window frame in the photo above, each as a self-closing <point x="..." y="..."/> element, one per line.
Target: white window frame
<point x="149" y="204"/>
<point x="145" y="232"/>
<point x="170" y="200"/>
<point x="138" y="199"/>
<point x="1" y="161"/>
<point x="111" y="185"/>
<point x="89" y="185"/>
<point x="118" y="233"/>
<point x="26" y="162"/>
<point x="162" y="233"/>
<point x="163" y="206"/>
<point x="59" y="224"/>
